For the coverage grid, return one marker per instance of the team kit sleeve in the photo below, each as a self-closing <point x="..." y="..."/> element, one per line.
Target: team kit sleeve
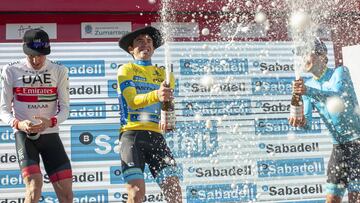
<point x="127" y="89"/>
<point x="63" y="95"/>
<point x="340" y="82"/>
<point x="6" y="97"/>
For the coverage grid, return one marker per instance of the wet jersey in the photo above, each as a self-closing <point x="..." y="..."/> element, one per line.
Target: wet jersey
<point x="138" y="83"/>
<point x="27" y="92"/>
<point x="344" y="126"/>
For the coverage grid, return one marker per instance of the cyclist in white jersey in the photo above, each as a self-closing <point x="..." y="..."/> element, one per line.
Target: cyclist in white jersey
<point x="34" y="100"/>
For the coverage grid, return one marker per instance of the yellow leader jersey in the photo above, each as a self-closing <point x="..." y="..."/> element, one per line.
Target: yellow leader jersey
<point x="138" y="83"/>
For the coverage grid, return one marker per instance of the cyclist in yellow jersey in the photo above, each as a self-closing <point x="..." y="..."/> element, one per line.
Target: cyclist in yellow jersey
<point x="139" y="82"/>
<point x="141" y="88"/>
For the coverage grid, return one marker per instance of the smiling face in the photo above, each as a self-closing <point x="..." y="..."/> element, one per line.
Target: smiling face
<point x="36" y="61"/>
<point x="142" y="47"/>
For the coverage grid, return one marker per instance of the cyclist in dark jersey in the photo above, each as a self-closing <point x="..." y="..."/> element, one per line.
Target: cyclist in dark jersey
<point x="344" y="125"/>
<point x="34" y="100"/>
<point x="141" y="88"/>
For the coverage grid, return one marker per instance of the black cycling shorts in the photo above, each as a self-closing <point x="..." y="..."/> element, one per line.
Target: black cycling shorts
<point x="344" y="166"/>
<point x="49" y="146"/>
<point x="139" y="147"/>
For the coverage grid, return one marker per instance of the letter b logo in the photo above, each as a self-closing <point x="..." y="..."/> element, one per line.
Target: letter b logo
<point x="86" y="138"/>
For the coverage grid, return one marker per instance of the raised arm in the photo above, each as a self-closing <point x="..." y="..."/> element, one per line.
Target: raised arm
<point x="340" y="81"/>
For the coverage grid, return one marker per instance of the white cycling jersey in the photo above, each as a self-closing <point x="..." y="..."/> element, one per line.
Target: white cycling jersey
<point x="27" y="92"/>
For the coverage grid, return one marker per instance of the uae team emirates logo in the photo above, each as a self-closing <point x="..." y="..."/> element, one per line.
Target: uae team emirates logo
<point x="35" y="94"/>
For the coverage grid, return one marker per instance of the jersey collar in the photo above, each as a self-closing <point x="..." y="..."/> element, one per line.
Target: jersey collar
<point x="143" y="62"/>
<point x="29" y="66"/>
<point x="322" y="74"/>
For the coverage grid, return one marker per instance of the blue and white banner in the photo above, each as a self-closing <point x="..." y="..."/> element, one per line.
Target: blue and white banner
<point x="233" y="142"/>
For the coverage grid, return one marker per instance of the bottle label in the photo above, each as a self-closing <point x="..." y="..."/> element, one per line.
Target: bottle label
<point x="168" y="118"/>
<point x="296" y="111"/>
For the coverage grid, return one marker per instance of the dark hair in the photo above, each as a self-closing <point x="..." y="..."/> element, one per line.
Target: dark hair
<point x="319" y="47"/>
<point x="132" y="41"/>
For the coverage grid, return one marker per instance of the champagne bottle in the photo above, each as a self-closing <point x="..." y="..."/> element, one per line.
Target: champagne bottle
<point x="168" y="113"/>
<point x="296" y="107"/>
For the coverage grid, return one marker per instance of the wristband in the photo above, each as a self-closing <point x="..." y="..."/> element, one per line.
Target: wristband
<point x="53" y="122"/>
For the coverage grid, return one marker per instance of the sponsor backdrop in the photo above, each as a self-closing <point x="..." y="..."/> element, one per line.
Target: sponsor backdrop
<point x="351" y="60"/>
<point x="233" y="142"/>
